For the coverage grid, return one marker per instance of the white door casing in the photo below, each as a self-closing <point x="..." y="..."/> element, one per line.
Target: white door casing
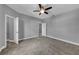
<point x="43" y="29"/>
<point x="16" y="23"/>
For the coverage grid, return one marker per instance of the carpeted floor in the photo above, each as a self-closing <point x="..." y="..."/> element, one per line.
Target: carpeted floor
<point x="41" y="46"/>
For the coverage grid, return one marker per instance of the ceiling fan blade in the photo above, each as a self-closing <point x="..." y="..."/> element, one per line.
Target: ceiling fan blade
<point x="48" y="8"/>
<point x="36" y="11"/>
<point x="39" y="13"/>
<point x="46" y="12"/>
<point x="40" y="6"/>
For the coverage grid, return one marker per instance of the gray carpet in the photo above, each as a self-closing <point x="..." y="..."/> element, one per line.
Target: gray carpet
<point x="41" y="46"/>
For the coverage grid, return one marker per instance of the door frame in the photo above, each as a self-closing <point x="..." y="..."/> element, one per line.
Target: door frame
<point x="44" y="29"/>
<point x="7" y="15"/>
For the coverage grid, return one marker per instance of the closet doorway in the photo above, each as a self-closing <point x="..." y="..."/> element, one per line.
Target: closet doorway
<point x="11" y="29"/>
<point x="42" y="29"/>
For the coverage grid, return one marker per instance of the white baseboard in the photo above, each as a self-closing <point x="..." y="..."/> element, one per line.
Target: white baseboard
<point x="11" y="40"/>
<point x="2" y="48"/>
<point x="74" y="43"/>
<point x="28" y="38"/>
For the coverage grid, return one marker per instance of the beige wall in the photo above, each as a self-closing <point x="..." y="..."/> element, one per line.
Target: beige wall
<point x="64" y="26"/>
<point x="31" y="26"/>
<point x="6" y="10"/>
<point x="2" y="27"/>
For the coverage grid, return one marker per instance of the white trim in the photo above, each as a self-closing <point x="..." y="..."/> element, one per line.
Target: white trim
<point x="74" y="43"/>
<point x="44" y="25"/>
<point x="5" y="32"/>
<point x="11" y="41"/>
<point x="2" y="48"/>
<point x="6" y="15"/>
<point x="28" y="38"/>
<point x="9" y="16"/>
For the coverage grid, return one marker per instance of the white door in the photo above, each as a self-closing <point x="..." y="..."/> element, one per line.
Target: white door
<point x="43" y="29"/>
<point x="16" y="30"/>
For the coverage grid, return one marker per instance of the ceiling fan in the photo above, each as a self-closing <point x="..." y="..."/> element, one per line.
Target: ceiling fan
<point x="42" y="9"/>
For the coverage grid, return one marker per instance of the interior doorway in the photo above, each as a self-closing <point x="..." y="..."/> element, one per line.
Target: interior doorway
<point x="42" y="29"/>
<point x="11" y="29"/>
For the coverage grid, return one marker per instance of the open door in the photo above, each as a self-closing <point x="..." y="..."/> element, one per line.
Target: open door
<point x="43" y="29"/>
<point x="16" y="30"/>
<point x="11" y="29"/>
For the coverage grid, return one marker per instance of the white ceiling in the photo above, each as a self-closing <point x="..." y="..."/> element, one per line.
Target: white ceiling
<point x="27" y="9"/>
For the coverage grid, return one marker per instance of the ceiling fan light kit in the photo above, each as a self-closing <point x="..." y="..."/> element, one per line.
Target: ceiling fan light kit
<point x="42" y="9"/>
